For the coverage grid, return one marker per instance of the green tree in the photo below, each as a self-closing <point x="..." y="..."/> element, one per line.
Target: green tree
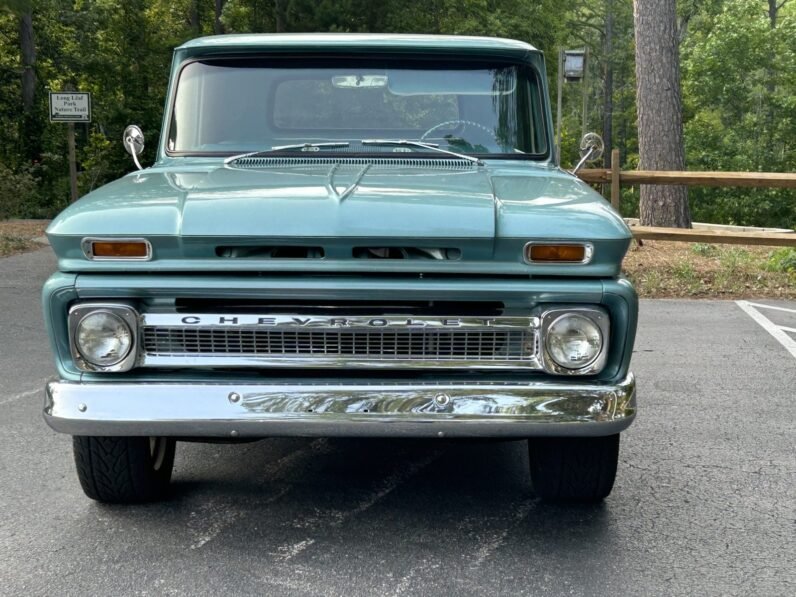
<point x="738" y="74"/>
<point x="739" y="69"/>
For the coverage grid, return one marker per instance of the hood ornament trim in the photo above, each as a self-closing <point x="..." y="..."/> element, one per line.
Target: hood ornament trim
<point x="332" y="190"/>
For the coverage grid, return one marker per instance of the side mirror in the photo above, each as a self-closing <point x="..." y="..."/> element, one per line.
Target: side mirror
<point x="133" y="140"/>
<point x="591" y="150"/>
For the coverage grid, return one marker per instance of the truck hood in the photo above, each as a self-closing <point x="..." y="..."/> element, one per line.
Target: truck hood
<point x="308" y="201"/>
<point x="479" y="206"/>
<point x="343" y="201"/>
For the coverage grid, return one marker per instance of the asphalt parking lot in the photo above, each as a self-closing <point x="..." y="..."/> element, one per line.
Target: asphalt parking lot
<point x="704" y="504"/>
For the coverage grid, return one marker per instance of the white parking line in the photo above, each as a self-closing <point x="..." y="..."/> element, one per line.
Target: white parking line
<point x="772" y="328"/>
<point x="762" y="306"/>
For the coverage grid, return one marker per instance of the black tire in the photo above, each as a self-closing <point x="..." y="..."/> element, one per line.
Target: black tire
<point x="573" y="469"/>
<point x="123" y="470"/>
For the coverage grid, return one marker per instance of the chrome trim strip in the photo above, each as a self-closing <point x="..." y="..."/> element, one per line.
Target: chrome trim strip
<point x="87" y="246"/>
<point x="334" y="322"/>
<point x="510" y="409"/>
<point x="320" y="362"/>
<point x="128" y="315"/>
<point x="587" y="257"/>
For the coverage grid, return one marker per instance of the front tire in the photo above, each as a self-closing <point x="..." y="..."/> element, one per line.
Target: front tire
<point x="573" y="469"/>
<point x="123" y="470"/>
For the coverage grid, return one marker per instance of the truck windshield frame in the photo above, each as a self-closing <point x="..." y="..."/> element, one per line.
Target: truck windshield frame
<point x="485" y="108"/>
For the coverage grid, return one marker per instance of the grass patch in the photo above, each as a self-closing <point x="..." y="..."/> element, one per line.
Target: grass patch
<point x="700" y="270"/>
<point x="704" y="249"/>
<point x="10" y="245"/>
<point x="18" y="236"/>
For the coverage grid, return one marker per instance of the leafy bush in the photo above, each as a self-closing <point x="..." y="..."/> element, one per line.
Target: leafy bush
<point x="628" y="202"/>
<point x="782" y="260"/>
<point x="18" y="196"/>
<point x="97" y="163"/>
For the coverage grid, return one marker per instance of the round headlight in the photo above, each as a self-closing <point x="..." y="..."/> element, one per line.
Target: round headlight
<point x="103" y="338"/>
<point x="573" y="341"/>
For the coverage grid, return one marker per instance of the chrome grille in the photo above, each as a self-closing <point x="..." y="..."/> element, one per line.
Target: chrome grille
<point x="390" y="344"/>
<point x="221" y="345"/>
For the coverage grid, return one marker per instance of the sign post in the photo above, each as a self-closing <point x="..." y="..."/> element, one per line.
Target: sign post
<point x="559" y="105"/>
<point x="71" y="107"/>
<point x="571" y="67"/>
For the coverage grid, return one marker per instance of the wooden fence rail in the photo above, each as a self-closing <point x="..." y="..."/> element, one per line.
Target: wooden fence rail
<point x="617" y="178"/>
<point x="703" y="235"/>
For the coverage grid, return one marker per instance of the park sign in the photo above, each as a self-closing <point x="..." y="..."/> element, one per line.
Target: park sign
<point x="72" y="106"/>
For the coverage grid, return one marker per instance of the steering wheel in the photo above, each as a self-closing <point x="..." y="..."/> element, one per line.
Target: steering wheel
<point x="459" y="121"/>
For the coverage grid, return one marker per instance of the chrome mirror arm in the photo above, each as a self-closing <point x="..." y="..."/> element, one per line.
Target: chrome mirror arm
<point x="133" y="141"/>
<point x="130" y="149"/>
<point x="591" y="147"/>
<point x="582" y="161"/>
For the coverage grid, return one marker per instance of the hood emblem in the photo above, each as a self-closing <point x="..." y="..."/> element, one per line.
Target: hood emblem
<point x="332" y="189"/>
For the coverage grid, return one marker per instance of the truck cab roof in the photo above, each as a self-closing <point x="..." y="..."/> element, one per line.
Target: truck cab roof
<point x="324" y="42"/>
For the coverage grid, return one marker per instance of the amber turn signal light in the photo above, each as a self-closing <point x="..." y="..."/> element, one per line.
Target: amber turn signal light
<point x="117" y="249"/>
<point x="558" y="253"/>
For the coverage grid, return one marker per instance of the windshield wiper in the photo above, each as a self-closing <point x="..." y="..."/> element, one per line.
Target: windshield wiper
<point x="422" y="145"/>
<point x="302" y="146"/>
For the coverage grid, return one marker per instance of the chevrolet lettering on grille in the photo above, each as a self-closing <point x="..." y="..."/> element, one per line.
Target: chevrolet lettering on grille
<point x="337" y="322"/>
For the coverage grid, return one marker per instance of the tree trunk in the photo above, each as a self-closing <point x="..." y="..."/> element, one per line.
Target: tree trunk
<point x="28" y="50"/>
<point x="30" y="125"/>
<point x="660" y="119"/>
<point x="218" y="26"/>
<point x="194" y="20"/>
<point x="773" y="11"/>
<point x="765" y="149"/>
<point x="279" y="15"/>
<point x="622" y="124"/>
<point x="608" y="81"/>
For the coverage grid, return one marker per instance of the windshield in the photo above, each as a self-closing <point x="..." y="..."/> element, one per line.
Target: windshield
<point x="229" y="106"/>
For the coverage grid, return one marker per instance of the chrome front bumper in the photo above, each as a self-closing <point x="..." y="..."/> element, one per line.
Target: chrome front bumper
<point x="506" y="410"/>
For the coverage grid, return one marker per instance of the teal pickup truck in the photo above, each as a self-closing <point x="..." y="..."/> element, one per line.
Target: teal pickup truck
<point x="344" y="235"/>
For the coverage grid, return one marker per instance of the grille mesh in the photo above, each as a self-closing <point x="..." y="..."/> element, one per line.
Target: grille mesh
<point x="378" y="162"/>
<point x="373" y="345"/>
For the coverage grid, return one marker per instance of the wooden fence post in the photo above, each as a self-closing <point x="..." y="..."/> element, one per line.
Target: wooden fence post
<point x="615" y="171"/>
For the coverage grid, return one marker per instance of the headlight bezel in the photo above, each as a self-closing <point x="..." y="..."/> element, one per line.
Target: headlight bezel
<point x="598" y="316"/>
<point x="127" y="314"/>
